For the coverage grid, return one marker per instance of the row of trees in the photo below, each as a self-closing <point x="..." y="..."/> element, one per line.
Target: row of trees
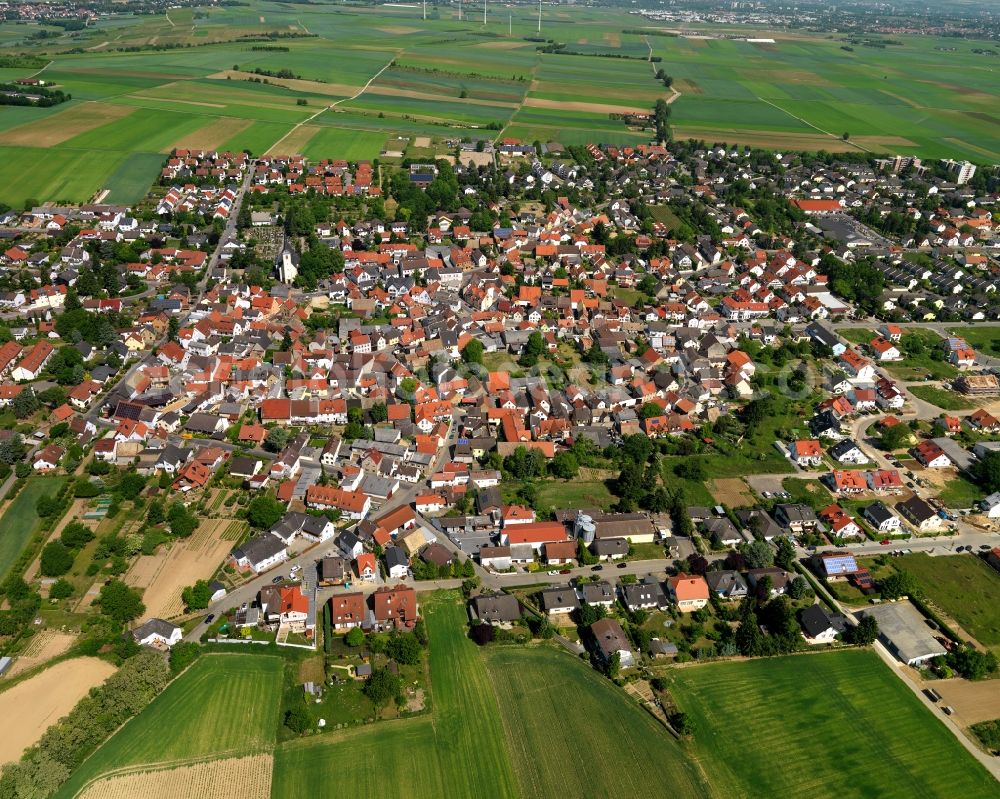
<point x="66" y="744"/>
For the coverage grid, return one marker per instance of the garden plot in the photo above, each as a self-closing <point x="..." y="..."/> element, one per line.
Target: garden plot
<point x="164" y="575"/>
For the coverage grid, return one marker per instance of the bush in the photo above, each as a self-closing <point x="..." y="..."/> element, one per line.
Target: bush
<point x="383" y="687"/>
<point x="119" y="602"/>
<point x="182" y="655"/>
<point x="404" y="648"/>
<point x="84" y="489"/>
<point x="355" y="637"/>
<point x="61" y="589"/>
<point x="56" y="559"/>
<point x="76" y="535"/>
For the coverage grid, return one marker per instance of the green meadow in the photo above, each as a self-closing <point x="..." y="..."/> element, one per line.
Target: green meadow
<point x="821" y="725"/>
<point x="384" y="71"/>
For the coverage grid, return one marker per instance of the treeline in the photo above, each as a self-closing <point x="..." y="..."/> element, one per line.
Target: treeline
<point x="35" y="96"/>
<point x="21" y="62"/>
<point x="285" y="74"/>
<point x="64" y="746"/>
<point x="450" y="74"/>
<point x="641" y="32"/>
<point x="269" y="48"/>
<point x="559" y="48"/>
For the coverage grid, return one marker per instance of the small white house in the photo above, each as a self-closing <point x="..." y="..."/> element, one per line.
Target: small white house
<point x="157" y="633"/>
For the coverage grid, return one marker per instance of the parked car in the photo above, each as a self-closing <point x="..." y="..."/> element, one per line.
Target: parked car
<point x="553" y="572"/>
<point x="622" y="565"/>
<point x="884" y="542"/>
<point x="277" y="579"/>
<point x="565" y="571"/>
<point x="597" y="568"/>
<point x="209" y="618"/>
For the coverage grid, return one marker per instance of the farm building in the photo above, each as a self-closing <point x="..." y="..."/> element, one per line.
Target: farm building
<point x="903" y="630"/>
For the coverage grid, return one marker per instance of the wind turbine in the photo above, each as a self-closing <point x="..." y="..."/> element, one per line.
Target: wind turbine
<point x="484" y="12"/>
<point x="539" y="16"/>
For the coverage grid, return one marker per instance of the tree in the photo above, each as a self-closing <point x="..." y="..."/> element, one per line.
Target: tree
<point x="12" y="450"/>
<point x="533" y="349"/>
<point x="76" y="535"/>
<point x="173" y="327"/>
<point x="758" y="554"/>
<point x="986" y="471"/>
<point x="798" y="588"/>
<point x="61" y="589"/>
<point x="25" y="404"/>
<point x="131" y="485"/>
<point x="785" y="556"/>
<point x="119" y="602"/>
<point x="649" y="410"/>
<point x="46" y="506"/>
<point x="404" y="648"/>
<point x="865" y="633"/>
<point x="277" y="438"/>
<point x="297" y="718"/>
<point x="197" y="596"/>
<point x="895" y="437"/>
<point x="897" y="584"/>
<point x="382" y="687"/>
<point x="263" y="512"/>
<point x="182" y="521"/>
<point x="564" y="465"/>
<point x="473" y="352"/>
<point x="182" y="655"/>
<point x="56" y="560"/>
<point x="971" y="663"/>
<point x="355" y="637"/>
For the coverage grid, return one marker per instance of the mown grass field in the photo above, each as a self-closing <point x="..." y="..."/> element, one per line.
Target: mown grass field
<point x="20" y="519"/>
<point x="453" y="751"/>
<point x="964" y="587"/>
<point x="571" y="733"/>
<point x="225" y="705"/>
<point x="821" y="725"/>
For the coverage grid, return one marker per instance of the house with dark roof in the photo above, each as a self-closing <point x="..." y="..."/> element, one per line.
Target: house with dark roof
<point x="817" y="628"/>
<point x="495" y="608"/>
<point x="610" y="640"/>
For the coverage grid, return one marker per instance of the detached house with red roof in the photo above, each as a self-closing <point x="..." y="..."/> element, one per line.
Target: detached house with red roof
<point x="807" y="452"/>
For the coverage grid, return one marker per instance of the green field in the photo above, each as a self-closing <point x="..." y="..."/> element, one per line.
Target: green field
<point x="572" y="733"/>
<point x="982" y="338"/>
<point x="821" y="725"/>
<point x="964" y="587"/>
<point x="224" y="706"/>
<point x="20" y="519"/>
<point x="944" y="399"/>
<point x="444" y="753"/>
<point x="448" y="77"/>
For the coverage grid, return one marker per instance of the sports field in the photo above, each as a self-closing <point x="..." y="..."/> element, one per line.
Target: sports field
<point x="964" y="587"/>
<point x="384" y="71"/>
<point x="821" y="725"/>
<point x="223" y="706"/>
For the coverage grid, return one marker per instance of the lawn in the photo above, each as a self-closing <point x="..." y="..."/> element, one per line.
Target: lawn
<point x="959" y="493"/>
<point x="428" y="756"/>
<point x="570" y="732"/>
<point x="944" y="399"/>
<point x="982" y="338"/>
<point x="224" y="705"/>
<point x="821" y="725"/>
<point x="559" y="494"/>
<point x="964" y="587"/>
<point x="20" y="520"/>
